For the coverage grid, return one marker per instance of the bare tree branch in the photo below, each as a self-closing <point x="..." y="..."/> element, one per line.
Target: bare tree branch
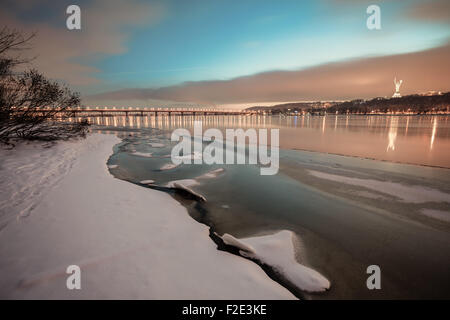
<point x="32" y="106"/>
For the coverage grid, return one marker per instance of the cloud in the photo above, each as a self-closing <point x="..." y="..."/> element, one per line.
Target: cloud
<point x="431" y="11"/>
<point x="64" y="54"/>
<point x="366" y="77"/>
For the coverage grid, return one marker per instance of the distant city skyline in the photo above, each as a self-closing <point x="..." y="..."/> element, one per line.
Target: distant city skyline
<point x="231" y="53"/>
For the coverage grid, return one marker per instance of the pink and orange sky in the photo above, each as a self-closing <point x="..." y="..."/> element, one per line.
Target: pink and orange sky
<point x="237" y="52"/>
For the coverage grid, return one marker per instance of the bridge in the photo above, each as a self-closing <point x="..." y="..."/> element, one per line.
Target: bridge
<point x="99" y="111"/>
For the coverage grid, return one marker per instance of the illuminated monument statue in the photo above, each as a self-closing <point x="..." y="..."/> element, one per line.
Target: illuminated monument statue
<point x="397" y="88"/>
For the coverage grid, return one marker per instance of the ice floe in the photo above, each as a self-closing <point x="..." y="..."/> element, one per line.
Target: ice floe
<point x="277" y="252"/>
<point x="142" y="154"/>
<point x="212" y="174"/>
<point x="406" y="193"/>
<point x="156" y="145"/>
<point x="147" y="181"/>
<point x="192" y="156"/>
<point x="168" y="166"/>
<point x="437" y="214"/>
<point x="185" y="182"/>
<point x="185" y="185"/>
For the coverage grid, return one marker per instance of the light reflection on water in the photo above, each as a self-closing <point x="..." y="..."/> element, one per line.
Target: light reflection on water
<point x="423" y="140"/>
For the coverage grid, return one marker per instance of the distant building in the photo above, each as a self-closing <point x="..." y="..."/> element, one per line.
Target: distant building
<point x="431" y="93"/>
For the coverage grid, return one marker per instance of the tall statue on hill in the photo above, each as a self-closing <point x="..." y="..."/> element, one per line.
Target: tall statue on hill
<point x="397" y="88"/>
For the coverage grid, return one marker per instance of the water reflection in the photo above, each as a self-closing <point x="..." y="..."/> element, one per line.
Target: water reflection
<point x="410" y="139"/>
<point x="323" y="124"/>
<point x="407" y="125"/>
<point x="433" y="133"/>
<point x="392" y="133"/>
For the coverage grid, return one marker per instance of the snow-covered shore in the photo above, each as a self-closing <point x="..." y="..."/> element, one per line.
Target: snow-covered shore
<point x="60" y="206"/>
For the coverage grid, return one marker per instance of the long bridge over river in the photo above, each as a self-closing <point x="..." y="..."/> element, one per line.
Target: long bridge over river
<point x="101" y="111"/>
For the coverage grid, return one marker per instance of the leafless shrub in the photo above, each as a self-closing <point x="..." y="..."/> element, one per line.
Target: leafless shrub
<point x="32" y="106"/>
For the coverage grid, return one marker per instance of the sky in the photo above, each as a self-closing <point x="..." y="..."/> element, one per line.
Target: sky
<point x="236" y="52"/>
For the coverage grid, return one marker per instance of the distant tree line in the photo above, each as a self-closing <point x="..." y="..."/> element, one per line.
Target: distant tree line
<point x="418" y="104"/>
<point x="291" y="107"/>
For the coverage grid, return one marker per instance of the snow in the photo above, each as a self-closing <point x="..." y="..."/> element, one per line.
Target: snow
<point x="130" y="242"/>
<point x="240" y="244"/>
<point x="212" y="174"/>
<point x="277" y="251"/>
<point x="406" y="193"/>
<point x="168" y="166"/>
<point x="27" y="174"/>
<point x="142" y="154"/>
<point x="437" y="214"/>
<point x="156" y="145"/>
<point x="181" y="186"/>
<point x="369" y="195"/>
<point x="147" y="181"/>
<point x="184" y="182"/>
<point x="192" y="156"/>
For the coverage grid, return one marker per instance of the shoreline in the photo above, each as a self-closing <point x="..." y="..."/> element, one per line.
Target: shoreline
<point x="125" y="238"/>
<point x="172" y="255"/>
<point x="313" y="233"/>
<point x="180" y="191"/>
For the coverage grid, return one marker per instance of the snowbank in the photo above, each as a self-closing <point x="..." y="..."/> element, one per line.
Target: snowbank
<point x="129" y="241"/>
<point x="277" y="251"/>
